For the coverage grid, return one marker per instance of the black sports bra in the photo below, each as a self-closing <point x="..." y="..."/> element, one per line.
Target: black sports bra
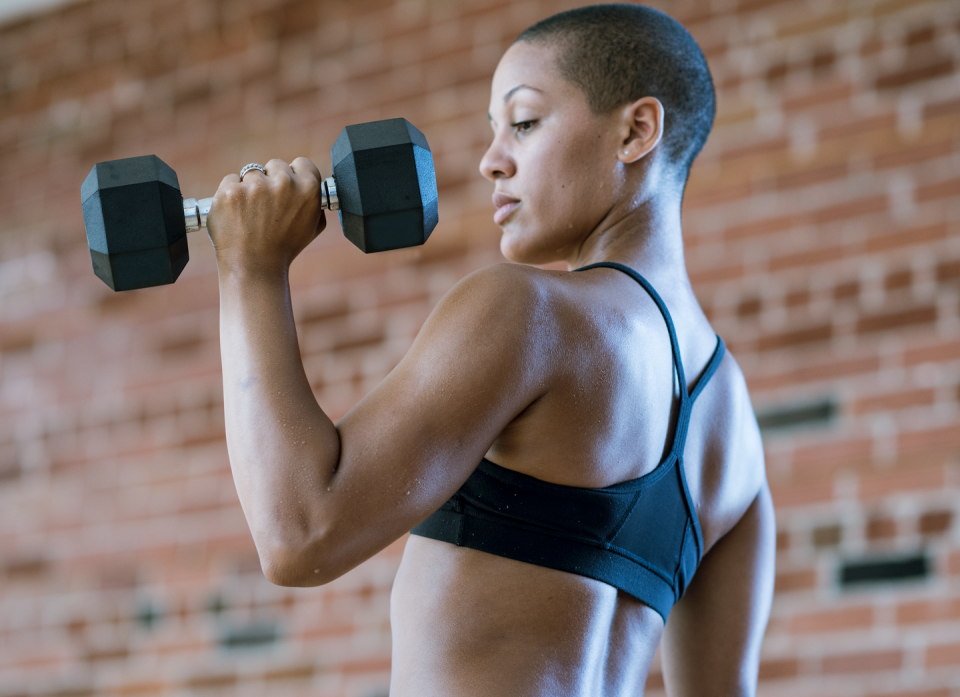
<point x="641" y="536"/>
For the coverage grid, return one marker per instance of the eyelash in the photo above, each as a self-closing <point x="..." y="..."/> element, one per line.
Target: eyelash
<point x="523" y="126"/>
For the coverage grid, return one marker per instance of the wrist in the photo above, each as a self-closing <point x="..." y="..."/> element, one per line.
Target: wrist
<point x="235" y="277"/>
<point x="232" y="268"/>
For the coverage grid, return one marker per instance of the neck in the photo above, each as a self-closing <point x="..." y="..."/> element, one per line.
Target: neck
<point x="647" y="236"/>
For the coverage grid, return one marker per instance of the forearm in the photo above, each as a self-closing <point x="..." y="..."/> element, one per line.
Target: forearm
<point x="283" y="449"/>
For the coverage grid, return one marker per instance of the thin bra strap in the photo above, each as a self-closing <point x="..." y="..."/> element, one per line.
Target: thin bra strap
<point x="686" y="398"/>
<point x="711" y="368"/>
<point x="674" y="344"/>
<point x="683" y="423"/>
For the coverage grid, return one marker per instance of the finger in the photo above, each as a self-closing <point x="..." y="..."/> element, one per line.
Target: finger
<point x="305" y="168"/>
<point x="277" y="166"/>
<point x="228" y="181"/>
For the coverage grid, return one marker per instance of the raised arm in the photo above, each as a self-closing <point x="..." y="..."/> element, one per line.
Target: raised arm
<point x="711" y="644"/>
<point x="320" y="498"/>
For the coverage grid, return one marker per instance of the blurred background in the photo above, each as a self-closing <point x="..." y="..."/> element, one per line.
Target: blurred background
<point x="822" y="226"/>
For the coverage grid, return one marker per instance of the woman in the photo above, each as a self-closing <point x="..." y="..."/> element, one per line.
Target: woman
<point x="568" y="447"/>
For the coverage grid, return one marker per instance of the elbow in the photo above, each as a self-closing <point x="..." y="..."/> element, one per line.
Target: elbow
<point x="300" y="566"/>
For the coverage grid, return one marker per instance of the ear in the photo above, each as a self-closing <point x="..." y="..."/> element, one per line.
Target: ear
<point x="642" y="127"/>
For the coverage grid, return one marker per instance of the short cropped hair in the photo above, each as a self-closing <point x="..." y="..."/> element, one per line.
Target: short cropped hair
<point x="619" y="53"/>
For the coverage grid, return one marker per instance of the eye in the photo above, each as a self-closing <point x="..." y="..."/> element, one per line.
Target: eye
<point x="524" y="126"/>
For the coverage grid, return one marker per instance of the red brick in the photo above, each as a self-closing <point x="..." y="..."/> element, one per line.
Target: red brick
<point x="864" y="662"/>
<point x="935" y="522"/>
<point x="920" y="35"/>
<point x="948" y="271"/>
<point x="762" y="228"/>
<point x="912" y="75"/>
<point x="935" y="440"/>
<point x="760" y="147"/>
<point x="827" y="535"/>
<point x="806" y="258"/>
<point x="897" y="320"/>
<point x="213" y="681"/>
<point x="789" y="495"/>
<point x="936" y="109"/>
<point x="898" y="280"/>
<point x="846" y="290"/>
<point x="835" y="620"/>
<point x="911" y="237"/>
<point x="938" y="655"/>
<point x="852" y="209"/>
<point x="776" y="72"/>
<point x="894" y="401"/>
<point x="797" y="298"/>
<point x="881" y="528"/>
<point x="815" y="370"/>
<point x="856" y="127"/>
<point x="880" y="485"/>
<point x="810" y="176"/>
<point x="928" y="611"/>
<point x="301" y="672"/>
<point x="787" y="581"/>
<point x="812" y="24"/>
<point x="749" y="307"/>
<point x="823" y="94"/>
<point x="795" y="338"/>
<point x="830" y="453"/>
<point x="940" y="351"/>
<point x="946" y="189"/>
<point x="146" y="687"/>
<point x="779" y="669"/>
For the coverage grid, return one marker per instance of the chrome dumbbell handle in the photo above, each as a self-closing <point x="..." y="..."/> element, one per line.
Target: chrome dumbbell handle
<point x="195" y="212"/>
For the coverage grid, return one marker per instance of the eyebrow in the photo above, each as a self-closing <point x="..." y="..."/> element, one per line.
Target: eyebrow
<point x="511" y="92"/>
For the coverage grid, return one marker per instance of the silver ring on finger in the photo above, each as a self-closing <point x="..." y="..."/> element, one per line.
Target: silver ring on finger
<point x="252" y="165"/>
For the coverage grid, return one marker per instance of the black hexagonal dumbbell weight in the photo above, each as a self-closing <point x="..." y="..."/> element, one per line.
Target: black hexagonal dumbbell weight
<point x="383" y="187"/>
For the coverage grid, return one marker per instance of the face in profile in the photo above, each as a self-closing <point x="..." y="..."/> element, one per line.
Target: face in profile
<point x="553" y="162"/>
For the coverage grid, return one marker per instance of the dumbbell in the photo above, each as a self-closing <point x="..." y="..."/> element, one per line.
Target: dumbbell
<point x="383" y="187"/>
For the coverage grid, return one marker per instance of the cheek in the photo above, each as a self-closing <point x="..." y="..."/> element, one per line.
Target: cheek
<point x="577" y="188"/>
<point x="562" y="183"/>
<point x="566" y="193"/>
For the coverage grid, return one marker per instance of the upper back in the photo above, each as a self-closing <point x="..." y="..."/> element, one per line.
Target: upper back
<point x="612" y="406"/>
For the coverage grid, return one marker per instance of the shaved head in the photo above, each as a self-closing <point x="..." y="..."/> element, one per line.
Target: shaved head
<point x="619" y="53"/>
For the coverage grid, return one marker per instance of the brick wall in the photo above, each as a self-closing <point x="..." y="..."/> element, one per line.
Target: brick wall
<point x="822" y="232"/>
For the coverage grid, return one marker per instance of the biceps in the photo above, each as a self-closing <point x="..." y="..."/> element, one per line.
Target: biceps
<point x="711" y="644"/>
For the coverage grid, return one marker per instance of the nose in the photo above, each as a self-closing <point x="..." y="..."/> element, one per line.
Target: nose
<point x="496" y="163"/>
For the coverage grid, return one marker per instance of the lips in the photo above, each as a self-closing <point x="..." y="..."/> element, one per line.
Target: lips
<point x="505" y="205"/>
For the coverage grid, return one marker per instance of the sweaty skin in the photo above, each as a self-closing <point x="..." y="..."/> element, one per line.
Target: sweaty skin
<point x="562" y="376"/>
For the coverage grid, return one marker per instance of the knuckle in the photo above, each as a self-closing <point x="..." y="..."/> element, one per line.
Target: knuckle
<point x="310" y="184"/>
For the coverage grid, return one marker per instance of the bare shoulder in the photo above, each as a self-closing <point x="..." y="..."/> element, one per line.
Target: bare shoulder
<point x="501" y="301"/>
<point x="519" y="284"/>
<point x="734" y="470"/>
